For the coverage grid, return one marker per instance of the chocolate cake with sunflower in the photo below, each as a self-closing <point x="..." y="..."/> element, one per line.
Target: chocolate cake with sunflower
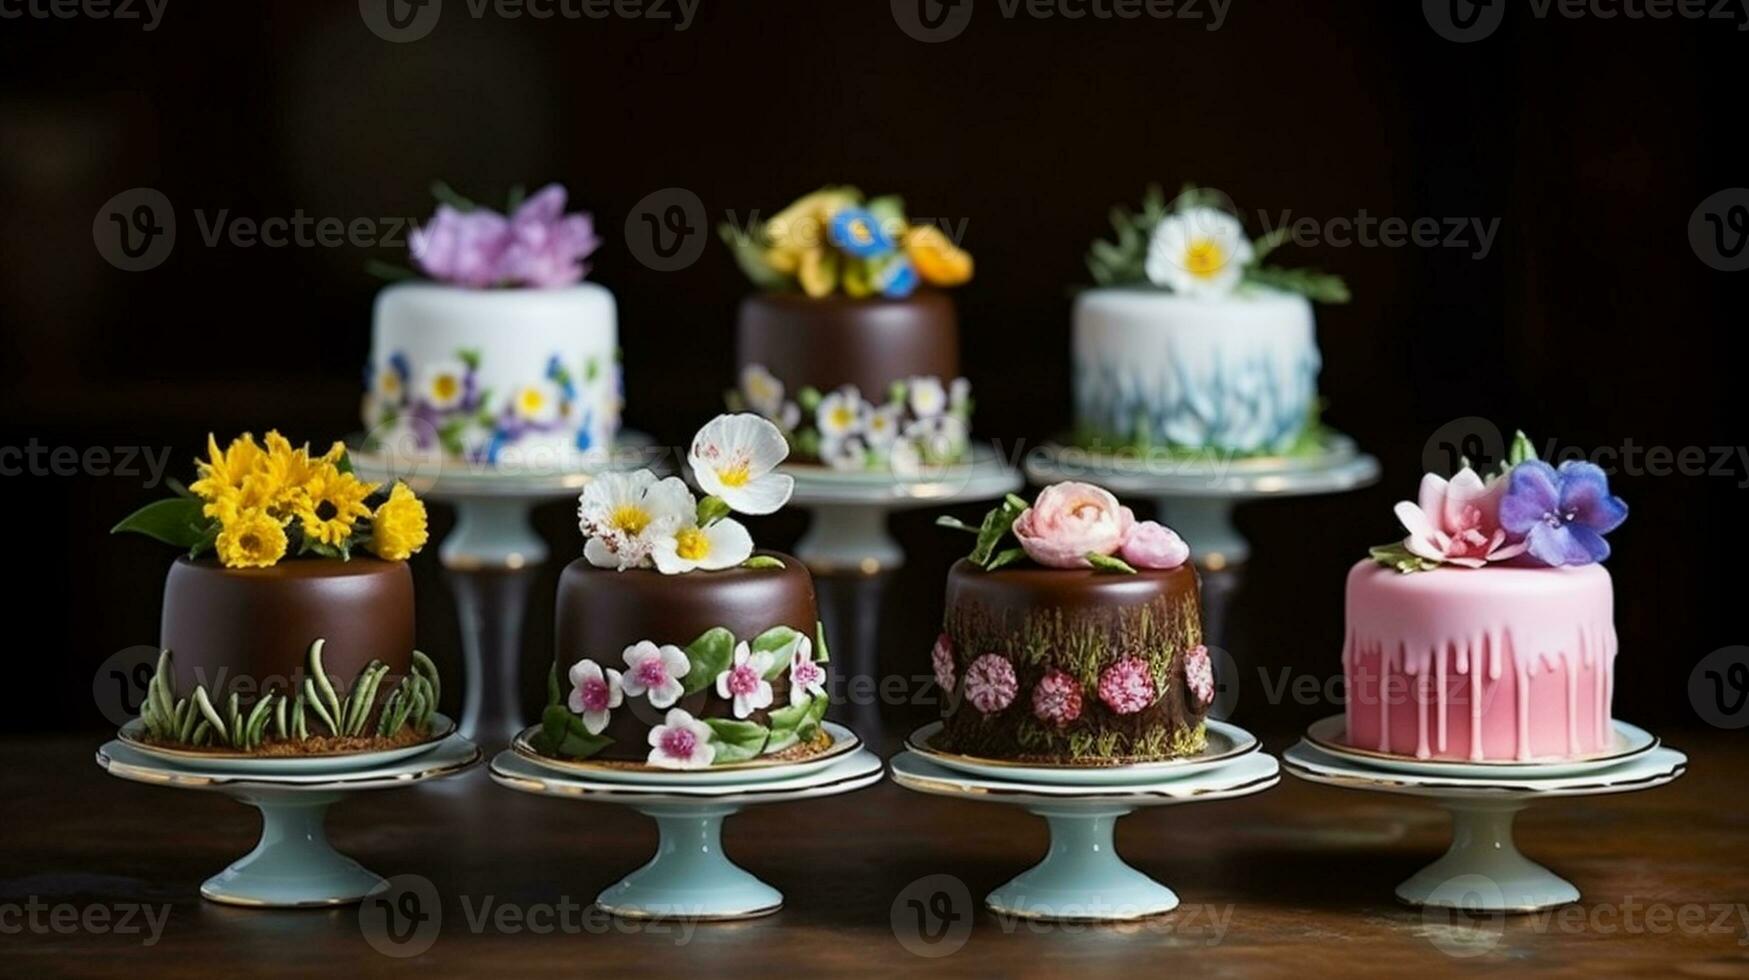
<point x="288" y="623"/>
<point x="851" y="346"/>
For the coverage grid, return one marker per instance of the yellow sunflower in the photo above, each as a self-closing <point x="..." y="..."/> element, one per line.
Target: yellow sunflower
<point x="330" y="503"/>
<point x="223" y="471"/>
<point x="397" y="530"/>
<point x="250" y="539"/>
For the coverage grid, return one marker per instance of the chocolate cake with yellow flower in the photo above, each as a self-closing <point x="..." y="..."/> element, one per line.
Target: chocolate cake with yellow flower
<point x="288" y="623"/>
<point x="679" y="646"/>
<point x="851" y="347"/>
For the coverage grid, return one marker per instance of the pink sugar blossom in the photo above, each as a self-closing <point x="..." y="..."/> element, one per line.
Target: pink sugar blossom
<point x="1126" y="687"/>
<point x="990" y="683"/>
<point x="1070" y="520"/>
<point x="1057" y="698"/>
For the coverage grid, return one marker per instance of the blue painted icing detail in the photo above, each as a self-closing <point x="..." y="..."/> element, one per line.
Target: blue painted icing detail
<point x="1247" y="405"/>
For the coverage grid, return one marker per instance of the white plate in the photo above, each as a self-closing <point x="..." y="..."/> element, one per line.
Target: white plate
<point x="844" y="742"/>
<point x="1328" y="736"/>
<point x="841" y="775"/>
<point x="1225" y="743"/>
<point x="1653" y="768"/>
<point x="1247" y="774"/>
<point x="447" y="757"/>
<point x="243" y="764"/>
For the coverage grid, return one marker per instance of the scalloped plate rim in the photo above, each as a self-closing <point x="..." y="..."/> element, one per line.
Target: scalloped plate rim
<point x="240" y="763"/>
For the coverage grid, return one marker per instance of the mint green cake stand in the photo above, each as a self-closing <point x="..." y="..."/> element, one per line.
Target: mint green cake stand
<point x="1082" y="878"/>
<point x="689" y="877"/>
<point x="293" y="865"/>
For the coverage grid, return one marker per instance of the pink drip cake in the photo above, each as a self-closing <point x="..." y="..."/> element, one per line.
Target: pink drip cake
<point x="1488" y="633"/>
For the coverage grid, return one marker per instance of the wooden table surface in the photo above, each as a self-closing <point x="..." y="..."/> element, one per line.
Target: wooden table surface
<point x="1294" y="882"/>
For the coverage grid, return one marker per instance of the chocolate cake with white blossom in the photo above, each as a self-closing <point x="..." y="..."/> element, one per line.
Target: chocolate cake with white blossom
<point x="678" y="645"/>
<point x="1079" y="643"/>
<point x="851" y="346"/>
<point x="1191" y="343"/>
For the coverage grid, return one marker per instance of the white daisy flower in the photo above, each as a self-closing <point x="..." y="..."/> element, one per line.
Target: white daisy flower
<point x="594" y="693"/>
<point x="844" y="454"/>
<point x="622" y="515"/>
<point x="538" y="402"/>
<point x="724" y="544"/>
<point x="656" y="671"/>
<point x="443" y="385"/>
<point x="681" y="742"/>
<point x="733" y="456"/>
<point x="841" y="413"/>
<point x="744" y="682"/>
<point x="882" y="425"/>
<point x="387" y="386"/>
<point x="928" y="396"/>
<point x="1198" y="252"/>
<point x="764" y="393"/>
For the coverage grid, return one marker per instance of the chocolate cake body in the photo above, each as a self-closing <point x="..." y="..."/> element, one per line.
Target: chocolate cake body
<point x="601" y="612"/>
<point x="828" y="342"/>
<point x="1073" y="666"/>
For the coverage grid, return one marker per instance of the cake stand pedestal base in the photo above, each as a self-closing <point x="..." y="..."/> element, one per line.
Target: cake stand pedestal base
<point x="1081" y="876"/>
<point x="293" y="865"/>
<point x="690" y="877"/>
<point x="1483" y="869"/>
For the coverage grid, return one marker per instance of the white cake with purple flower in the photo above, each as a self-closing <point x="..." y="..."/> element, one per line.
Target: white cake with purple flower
<point x="502" y="355"/>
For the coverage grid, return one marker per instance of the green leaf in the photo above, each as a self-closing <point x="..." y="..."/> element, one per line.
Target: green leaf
<point x="1395" y="555"/>
<point x="1319" y="287"/>
<point x="736" y="741"/>
<point x="763" y="561"/>
<point x="780" y="642"/>
<point x="997" y="523"/>
<point x="1007" y="556"/>
<point x="176" y="521"/>
<point x="562" y="734"/>
<point x="749" y="253"/>
<point x="1522" y="449"/>
<point x="518" y="194"/>
<point x="446" y="194"/>
<point x="790" y="717"/>
<point x="388" y="271"/>
<point x="809" y="399"/>
<point x="811" y="722"/>
<point x="1109" y="563"/>
<point x="954" y="523"/>
<point x="554" y="696"/>
<point x="710" y="655"/>
<point x="711" y="510"/>
<point x="821" y="654"/>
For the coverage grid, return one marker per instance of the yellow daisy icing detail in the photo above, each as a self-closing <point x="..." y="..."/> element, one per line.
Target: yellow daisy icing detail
<point x="250" y="539"/>
<point x="397" y="529"/>
<point x="331" y="504"/>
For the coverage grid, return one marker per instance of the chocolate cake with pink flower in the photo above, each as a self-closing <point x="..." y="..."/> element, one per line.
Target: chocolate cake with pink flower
<point x="678" y="645"/>
<point x="496" y="352"/>
<point x="1488" y="632"/>
<point x="851" y="347"/>
<point x="1080" y="643"/>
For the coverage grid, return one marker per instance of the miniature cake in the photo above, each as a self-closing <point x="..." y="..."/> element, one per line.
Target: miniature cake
<point x="1190" y="343"/>
<point x="506" y="358"/>
<point x="278" y="638"/>
<point x="857" y="365"/>
<point x="678" y="646"/>
<point x="1081" y="645"/>
<point x="1488" y="633"/>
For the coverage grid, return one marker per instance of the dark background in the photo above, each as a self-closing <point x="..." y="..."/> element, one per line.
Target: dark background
<point x="1592" y="320"/>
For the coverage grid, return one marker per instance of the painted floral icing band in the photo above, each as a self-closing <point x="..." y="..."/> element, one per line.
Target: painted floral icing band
<point x="313" y="710"/>
<point x="773" y="685"/>
<point x="916" y="422"/>
<point x="443" y="406"/>
<point x="1528" y="512"/>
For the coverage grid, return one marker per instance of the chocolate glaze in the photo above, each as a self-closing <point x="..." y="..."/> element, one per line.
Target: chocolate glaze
<point x="243" y="629"/>
<point x="1011" y="610"/>
<point x="602" y="611"/>
<point x="836" y="340"/>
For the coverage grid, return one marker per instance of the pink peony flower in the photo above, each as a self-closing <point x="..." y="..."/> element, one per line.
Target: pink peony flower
<point x="1057" y="698"/>
<point x="1069" y="520"/>
<point x="539" y="245"/>
<point x="941" y="658"/>
<point x="1126" y="687"/>
<point x="1199" y="673"/>
<point x="1457" y="523"/>
<point x="990" y="684"/>
<point x="1152" y="545"/>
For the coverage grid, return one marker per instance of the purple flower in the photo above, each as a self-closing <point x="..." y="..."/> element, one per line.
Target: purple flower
<point x="538" y="246"/>
<point x="1563" y="514"/>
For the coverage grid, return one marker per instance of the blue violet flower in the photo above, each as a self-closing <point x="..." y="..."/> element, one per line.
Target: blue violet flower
<point x="1563" y="514"/>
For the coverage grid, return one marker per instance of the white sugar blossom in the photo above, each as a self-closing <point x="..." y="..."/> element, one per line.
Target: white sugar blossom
<point x="442" y="385"/>
<point x="744" y="681"/>
<point x="621" y="515"/>
<point x="724" y="544"/>
<point x="681" y="742"/>
<point x="882" y="425"/>
<point x="841" y="414"/>
<point x="762" y="389"/>
<point x="927" y="396"/>
<point x="538" y="402"/>
<point x="656" y="671"/>
<point x="807" y="679"/>
<point x="733" y="456"/>
<point x="594" y="694"/>
<point x="1198" y="252"/>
